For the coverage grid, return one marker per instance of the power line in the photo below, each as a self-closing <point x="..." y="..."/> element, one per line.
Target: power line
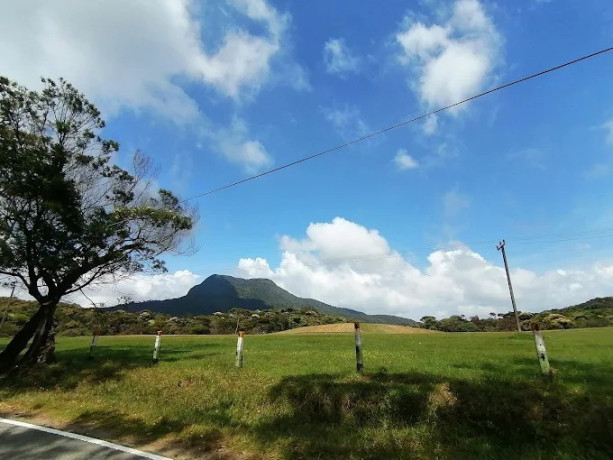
<point x="397" y="125"/>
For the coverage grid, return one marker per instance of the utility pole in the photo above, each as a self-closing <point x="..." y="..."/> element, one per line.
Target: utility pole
<point x="500" y="247"/>
<point x="6" y="310"/>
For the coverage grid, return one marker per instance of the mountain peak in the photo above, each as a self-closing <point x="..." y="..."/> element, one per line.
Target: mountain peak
<point x="224" y="292"/>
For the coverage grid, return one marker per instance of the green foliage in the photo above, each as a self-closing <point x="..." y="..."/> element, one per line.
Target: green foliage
<point x="72" y="320"/>
<point x="456" y="324"/>
<point x="594" y="313"/>
<point x="69" y="215"/>
<point x="67" y="209"/>
<point x="429" y="322"/>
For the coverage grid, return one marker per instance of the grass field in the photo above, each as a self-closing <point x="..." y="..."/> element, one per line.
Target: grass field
<point x="298" y="396"/>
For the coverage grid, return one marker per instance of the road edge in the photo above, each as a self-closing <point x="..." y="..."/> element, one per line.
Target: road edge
<point x="79" y="437"/>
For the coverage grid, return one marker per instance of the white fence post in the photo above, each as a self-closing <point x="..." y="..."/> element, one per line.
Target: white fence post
<point x="156" y="348"/>
<point x="239" y="349"/>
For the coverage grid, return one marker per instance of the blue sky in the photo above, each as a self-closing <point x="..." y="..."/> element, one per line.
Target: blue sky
<point x="404" y="223"/>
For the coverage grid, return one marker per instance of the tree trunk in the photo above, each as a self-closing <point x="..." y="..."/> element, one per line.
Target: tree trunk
<point x="9" y="356"/>
<point x="42" y="349"/>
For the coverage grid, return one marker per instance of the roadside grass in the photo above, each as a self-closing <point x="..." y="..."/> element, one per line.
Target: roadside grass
<point x="422" y="396"/>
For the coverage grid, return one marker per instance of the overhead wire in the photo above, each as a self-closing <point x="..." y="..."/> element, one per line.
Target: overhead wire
<point x="397" y="125"/>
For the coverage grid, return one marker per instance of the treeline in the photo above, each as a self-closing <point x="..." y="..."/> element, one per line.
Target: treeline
<point x="72" y="320"/>
<point x="593" y="313"/>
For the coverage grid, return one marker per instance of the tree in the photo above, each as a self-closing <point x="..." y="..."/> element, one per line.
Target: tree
<point x="429" y="322"/>
<point x="456" y="323"/>
<point x="69" y="217"/>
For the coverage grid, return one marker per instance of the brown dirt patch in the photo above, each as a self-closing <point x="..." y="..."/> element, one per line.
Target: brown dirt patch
<point x="365" y="327"/>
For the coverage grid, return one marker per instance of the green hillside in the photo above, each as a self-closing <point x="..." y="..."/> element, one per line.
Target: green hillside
<point x="596" y="312"/>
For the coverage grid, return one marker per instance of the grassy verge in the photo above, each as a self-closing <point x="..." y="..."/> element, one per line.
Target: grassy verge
<point x="422" y="396"/>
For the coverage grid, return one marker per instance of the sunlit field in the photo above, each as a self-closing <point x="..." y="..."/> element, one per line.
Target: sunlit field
<point x="298" y="396"/>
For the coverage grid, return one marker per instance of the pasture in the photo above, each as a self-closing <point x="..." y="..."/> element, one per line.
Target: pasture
<point x="433" y="395"/>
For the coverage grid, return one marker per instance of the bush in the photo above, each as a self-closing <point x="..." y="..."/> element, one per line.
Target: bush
<point x="557" y="321"/>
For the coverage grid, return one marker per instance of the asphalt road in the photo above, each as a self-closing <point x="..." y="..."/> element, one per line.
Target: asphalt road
<point x="19" y="440"/>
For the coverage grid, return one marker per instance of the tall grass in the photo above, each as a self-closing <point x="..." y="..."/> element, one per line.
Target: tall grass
<point x="422" y="396"/>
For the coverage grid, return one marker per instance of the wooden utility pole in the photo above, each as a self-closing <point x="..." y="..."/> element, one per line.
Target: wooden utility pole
<point x="541" y="352"/>
<point x="500" y="247"/>
<point x="8" y="304"/>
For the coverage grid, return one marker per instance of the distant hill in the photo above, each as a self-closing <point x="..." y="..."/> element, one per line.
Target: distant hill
<point x="222" y="293"/>
<point x="604" y="303"/>
<point x="596" y="312"/>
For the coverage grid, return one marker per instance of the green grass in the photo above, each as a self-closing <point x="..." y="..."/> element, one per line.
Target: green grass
<point x="422" y="396"/>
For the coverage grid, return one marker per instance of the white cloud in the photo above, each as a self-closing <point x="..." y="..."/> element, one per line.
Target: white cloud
<point x="234" y="144"/>
<point x="242" y="61"/>
<point x="347" y="121"/>
<point x="404" y="161"/>
<point x="259" y="10"/>
<point x="430" y="125"/>
<point x="137" y="287"/>
<point x="345" y="264"/>
<point x="255" y="268"/>
<point x="133" y="54"/>
<point x="338" y="57"/>
<point x="453" y="60"/>
<point x="454" y="202"/>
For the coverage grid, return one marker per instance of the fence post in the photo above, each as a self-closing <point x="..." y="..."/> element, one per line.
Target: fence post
<point x="239" y="349"/>
<point x="93" y="344"/>
<point x="156" y="348"/>
<point x="358" y="348"/>
<point x="541" y="352"/>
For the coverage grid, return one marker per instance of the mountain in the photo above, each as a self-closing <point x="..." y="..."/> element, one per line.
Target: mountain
<point x="603" y="304"/>
<point x="222" y="293"/>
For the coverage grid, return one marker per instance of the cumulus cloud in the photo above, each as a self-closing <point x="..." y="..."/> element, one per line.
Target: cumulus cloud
<point x="339" y="58"/>
<point x="243" y="61"/>
<point x="404" y="161"/>
<point x="136" y="287"/>
<point x="133" y="54"/>
<point x="346" y="264"/>
<point x="453" y="60"/>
